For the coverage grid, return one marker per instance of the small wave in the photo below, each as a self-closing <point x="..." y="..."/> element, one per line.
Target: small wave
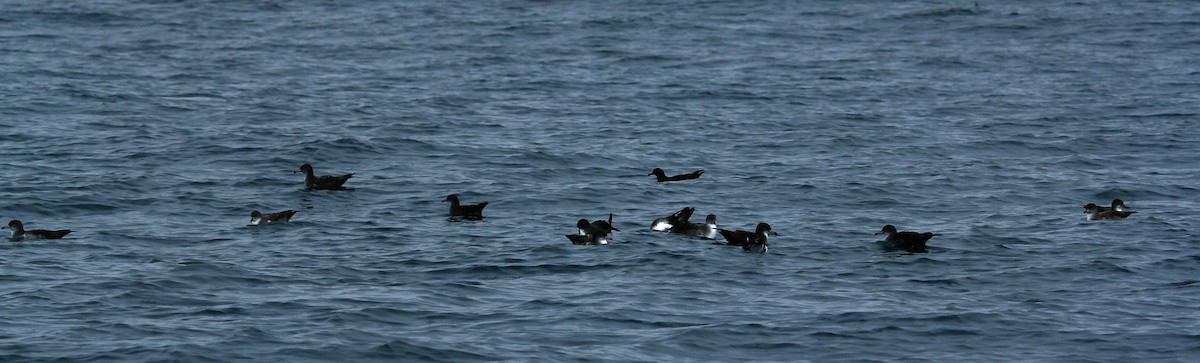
<point x="402" y="350"/>
<point x="517" y="270"/>
<point x="78" y="17"/>
<point x="1183" y="283"/>
<point x="947" y="281"/>
<point x="936" y="14"/>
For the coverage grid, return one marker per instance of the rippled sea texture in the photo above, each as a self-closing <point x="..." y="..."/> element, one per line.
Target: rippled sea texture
<point x="153" y="128"/>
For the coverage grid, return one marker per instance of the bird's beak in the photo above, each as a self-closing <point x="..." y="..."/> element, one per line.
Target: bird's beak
<point x="650" y="174"/>
<point x="878" y="233"/>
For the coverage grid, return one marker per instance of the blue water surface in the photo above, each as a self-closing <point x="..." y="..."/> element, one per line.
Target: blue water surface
<point x="153" y="128"/>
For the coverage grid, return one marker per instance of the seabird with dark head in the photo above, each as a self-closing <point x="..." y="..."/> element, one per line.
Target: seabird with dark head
<point x="908" y="241"/>
<point x="585" y="237"/>
<point x="1117" y="205"/>
<point x="750" y="241"/>
<point x="469" y="211"/>
<point x="324" y="182"/>
<point x="601" y="226"/>
<point x="594" y="233"/>
<point x="1101" y="213"/>
<point x="19" y="232"/>
<point x="662" y="175"/>
<point x="257" y="218"/>
<point x="1095" y="212"/>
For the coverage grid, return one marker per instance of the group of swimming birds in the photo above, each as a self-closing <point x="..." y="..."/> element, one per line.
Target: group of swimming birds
<point x="599" y="232"/>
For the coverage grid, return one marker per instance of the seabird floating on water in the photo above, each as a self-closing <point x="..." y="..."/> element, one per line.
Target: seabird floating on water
<point x="19" y="232"/>
<point x="662" y="175"/>
<point x="257" y="218"/>
<point x="325" y="182"/>
<point x="470" y="211"/>
<point x="908" y="241"/>
<point x="750" y="241"/>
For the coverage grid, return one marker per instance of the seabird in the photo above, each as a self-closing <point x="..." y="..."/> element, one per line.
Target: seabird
<point x="470" y="211"/>
<point x="257" y="218"/>
<point x="662" y="175"/>
<point x="600" y="226"/>
<point x="750" y="241"/>
<point x="1117" y="205"/>
<point x="908" y="241"/>
<point x="594" y="233"/>
<point x="19" y="232"/>
<point x="1118" y="210"/>
<point x="328" y="182"/>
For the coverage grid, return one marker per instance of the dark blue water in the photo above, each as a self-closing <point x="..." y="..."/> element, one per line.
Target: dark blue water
<point x="153" y="128"/>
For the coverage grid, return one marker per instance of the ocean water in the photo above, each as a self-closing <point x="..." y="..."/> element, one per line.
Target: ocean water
<point x="153" y="128"/>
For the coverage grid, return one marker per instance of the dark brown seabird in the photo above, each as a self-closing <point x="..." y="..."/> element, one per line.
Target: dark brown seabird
<point x="469" y="211"/>
<point x="1116" y="211"/>
<point x="324" y="182"/>
<point x="19" y="232"/>
<point x="750" y="241"/>
<point x="662" y="175"/>
<point x="908" y="241"/>
<point x="594" y="233"/>
<point x="257" y="218"/>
